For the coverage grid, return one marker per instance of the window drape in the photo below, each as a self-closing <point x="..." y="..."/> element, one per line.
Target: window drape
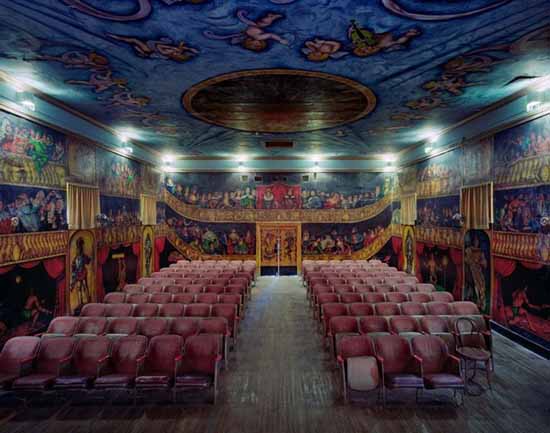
<point x="476" y="206"/>
<point x="82" y="206"/>
<point x="408" y="209"/>
<point x="148" y="209"/>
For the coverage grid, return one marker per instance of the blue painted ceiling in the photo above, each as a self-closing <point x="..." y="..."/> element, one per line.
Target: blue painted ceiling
<point x="127" y="63"/>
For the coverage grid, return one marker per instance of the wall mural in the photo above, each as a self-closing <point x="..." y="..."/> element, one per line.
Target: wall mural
<point x="440" y="266"/>
<point x="82" y="262"/>
<point x="120" y="176"/>
<point x="121" y="211"/>
<point x="121" y="267"/>
<point x="522" y="209"/>
<point x="28" y="209"/>
<point x="441" y="175"/>
<point x="523" y="300"/>
<point x="477" y="269"/>
<point x="343" y="239"/>
<point x="81" y="162"/>
<point x="409" y="249"/>
<point x="214" y="238"/>
<point x="438" y="211"/>
<point x="147" y="250"/>
<point x="161" y="212"/>
<point x="29" y="298"/>
<point x="279" y="244"/>
<point x="522" y="154"/>
<point x="30" y="154"/>
<point x="477" y="161"/>
<point x="279" y="191"/>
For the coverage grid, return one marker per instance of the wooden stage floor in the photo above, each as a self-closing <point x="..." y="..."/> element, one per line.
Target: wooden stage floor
<point x="280" y="380"/>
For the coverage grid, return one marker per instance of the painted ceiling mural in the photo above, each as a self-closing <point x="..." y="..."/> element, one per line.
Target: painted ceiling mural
<point x="368" y="76"/>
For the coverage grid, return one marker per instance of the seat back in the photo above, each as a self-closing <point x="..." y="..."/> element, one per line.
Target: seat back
<point x="16" y="350"/>
<point x="171" y="310"/>
<point x="433" y="351"/>
<point x="438" y="308"/>
<point x="434" y="325"/>
<point x="213" y="325"/>
<point x="206" y="298"/>
<point x="383" y="288"/>
<point x="400" y="324"/>
<point x="152" y="326"/>
<point x="51" y="352"/>
<point x="126" y="351"/>
<point x="123" y="326"/>
<point x="92" y="309"/>
<point x="374" y="298"/>
<point x="442" y="297"/>
<point x="88" y="352"/>
<point x="386" y="309"/>
<point x="360" y="309"/>
<point x="133" y="288"/>
<point x="230" y="298"/>
<point x="138" y="298"/>
<point x="464" y="308"/>
<point x="154" y="288"/>
<point x="197" y="310"/>
<point x="412" y="308"/>
<point x="396" y="352"/>
<point x="146" y="310"/>
<point x="200" y="355"/>
<point x="194" y="288"/>
<point x="348" y="298"/>
<point x="350" y="346"/>
<point x="396" y="297"/>
<point x="229" y="312"/>
<point x="162" y="353"/>
<point x="425" y="287"/>
<point x="160" y="298"/>
<point x="343" y="324"/>
<point x="114" y="298"/>
<point x="174" y="288"/>
<point x="215" y="288"/>
<point x="185" y="326"/>
<point x="370" y="324"/>
<point x="119" y="310"/>
<point x="64" y="325"/>
<point x="419" y="297"/>
<point x="183" y="298"/>
<point x="92" y="325"/>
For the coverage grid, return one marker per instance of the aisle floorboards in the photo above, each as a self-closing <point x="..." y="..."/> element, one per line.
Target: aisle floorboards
<point x="282" y="381"/>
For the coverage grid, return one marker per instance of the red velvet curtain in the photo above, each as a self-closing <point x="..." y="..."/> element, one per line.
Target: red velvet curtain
<point x="102" y="256"/>
<point x="55" y="267"/>
<point x="531" y="265"/>
<point x="6" y="269"/>
<point x="397" y="245"/>
<point x="503" y="268"/>
<point x="456" y="257"/>
<point x="136" y="249"/>
<point x="160" y="244"/>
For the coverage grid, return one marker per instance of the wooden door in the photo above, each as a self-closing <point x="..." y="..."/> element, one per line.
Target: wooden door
<point x="279" y="236"/>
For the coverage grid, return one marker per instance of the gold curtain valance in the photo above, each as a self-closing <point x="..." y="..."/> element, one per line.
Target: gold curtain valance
<point x="82" y="206"/>
<point x="408" y="209"/>
<point x="148" y="209"/>
<point x="476" y="206"/>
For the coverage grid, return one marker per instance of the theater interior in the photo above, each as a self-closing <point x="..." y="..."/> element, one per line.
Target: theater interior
<point x="274" y="216"/>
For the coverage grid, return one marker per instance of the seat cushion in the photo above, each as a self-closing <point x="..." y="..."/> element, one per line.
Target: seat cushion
<point x="403" y="380"/>
<point x="362" y="373"/>
<point x="34" y="381"/>
<point x="443" y="380"/>
<point x="194" y="381"/>
<point x="73" y="382"/>
<point x="114" y="381"/>
<point x="153" y="379"/>
<point x="6" y="379"/>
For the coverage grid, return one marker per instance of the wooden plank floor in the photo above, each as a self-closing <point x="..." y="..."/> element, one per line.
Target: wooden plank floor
<point x="282" y="381"/>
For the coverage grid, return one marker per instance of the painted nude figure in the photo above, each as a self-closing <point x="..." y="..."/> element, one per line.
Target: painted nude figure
<point x="164" y="48"/>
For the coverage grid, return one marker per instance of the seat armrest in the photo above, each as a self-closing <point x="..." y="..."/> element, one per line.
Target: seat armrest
<point x="26" y="365"/>
<point x="339" y="359"/>
<point x="102" y="364"/>
<point x="139" y="364"/>
<point x="64" y="364"/>
<point x="453" y="365"/>
<point x="418" y="364"/>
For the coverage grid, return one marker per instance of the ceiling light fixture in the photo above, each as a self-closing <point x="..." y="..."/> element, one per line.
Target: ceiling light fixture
<point x="168" y="158"/>
<point x="28" y="104"/>
<point x="389" y="157"/>
<point x="127" y="150"/>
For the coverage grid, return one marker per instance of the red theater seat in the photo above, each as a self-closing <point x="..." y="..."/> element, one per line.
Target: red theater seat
<point x="400" y="368"/>
<point x="206" y="298"/>
<point x="374" y="325"/>
<point x="157" y="370"/>
<point x="383" y="288"/>
<point x="386" y="309"/>
<point x="133" y="288"/>
<point x="438" y="308"/>
<point x="63" y="326"/>
<point x="183" y="298"/>
<point x="419" y="297"/>
<point x="115" y="298"/>
<point x="338" y="327"/>
<point x="160" y="298"/>
<point x="360" y="309"/>
<point x="54" y="355"/>
<point x="91" y="326"/>
<point x="331" y="310"/>
<point x="396" y="297"/>
<point x="16" y="358"/>
<point x="436" y="325"/>
<point x="121" y="326"/>
<point x="348" y="298"/>
<point x="425" y="287"/>
<point x="194" y="288"/>
<point x="229" y="312"/>
<point x="120" y="372"/>
<point x="217" y="326"/>
<point x="442" y="297"/>
<point x="405" y="326"/>
<point x="198" y="310"/>
<point x="171" y="310"/>
<point x="152" y="326"/>
<point x="119" y="310"/>
<point x="138" y="298"/>
<point x="412" y="308"/>
<point x="185" y="327"/>
<point x="464" y="308"/>
<point x="374" y="298"/>
<point x="364" y="288"/>
<point x="199" y="365"/>
<point x="90" y="353"/>
<point x="154" y="288"/>
<point x="404" y="288"/>
<point x="146" y="310"/>
<point x="92" y="309"/>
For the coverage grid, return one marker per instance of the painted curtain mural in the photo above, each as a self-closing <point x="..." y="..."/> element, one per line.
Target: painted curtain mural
<point x="437" y="211"/>
<point x="30" y="295"/>
<point x="477" y="269"/>
<point x="120" y="267"/>
<point x="440" y="266"/>
<point x="279" y="191"/>
<point x="343" y="239"/>
<point x="214" y="238"/>
<point x="441" y="175"/>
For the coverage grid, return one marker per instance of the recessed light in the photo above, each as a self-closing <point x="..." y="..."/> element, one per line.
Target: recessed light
<point x="127" y="150"/>
<point x="390" y="157"/>
<point x="168" y="158"/>
<point x="241" y="158"/>
<point x="28" y="104"/>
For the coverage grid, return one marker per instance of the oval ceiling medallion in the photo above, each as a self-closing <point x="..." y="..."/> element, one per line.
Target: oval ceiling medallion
<point x="279" y="100"/>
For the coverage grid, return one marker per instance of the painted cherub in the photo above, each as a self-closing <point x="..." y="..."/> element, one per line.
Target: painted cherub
<point x="147" y="119"/>
<point x="367" y="42"/>
<point x="452" y="84"/>
<point x="255" y="37"/>
<point x="101" y="81"/>
<point x="127" y="99"/>
<point x="79" y="60"/>
<point x="164" y="48"/>
<point x="426" y="103"/>
<point x="319" y="50"/>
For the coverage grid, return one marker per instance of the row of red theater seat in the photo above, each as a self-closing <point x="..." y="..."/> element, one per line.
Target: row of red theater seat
<point x="388" y="362"/>
<point x="372" y="298"/>
<point x="372" y="288"/>
<point x="168" y="287"/>
<point x="99" y="364"/>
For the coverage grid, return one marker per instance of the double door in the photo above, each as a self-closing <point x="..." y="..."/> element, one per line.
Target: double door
<point x="279" y="247"/>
